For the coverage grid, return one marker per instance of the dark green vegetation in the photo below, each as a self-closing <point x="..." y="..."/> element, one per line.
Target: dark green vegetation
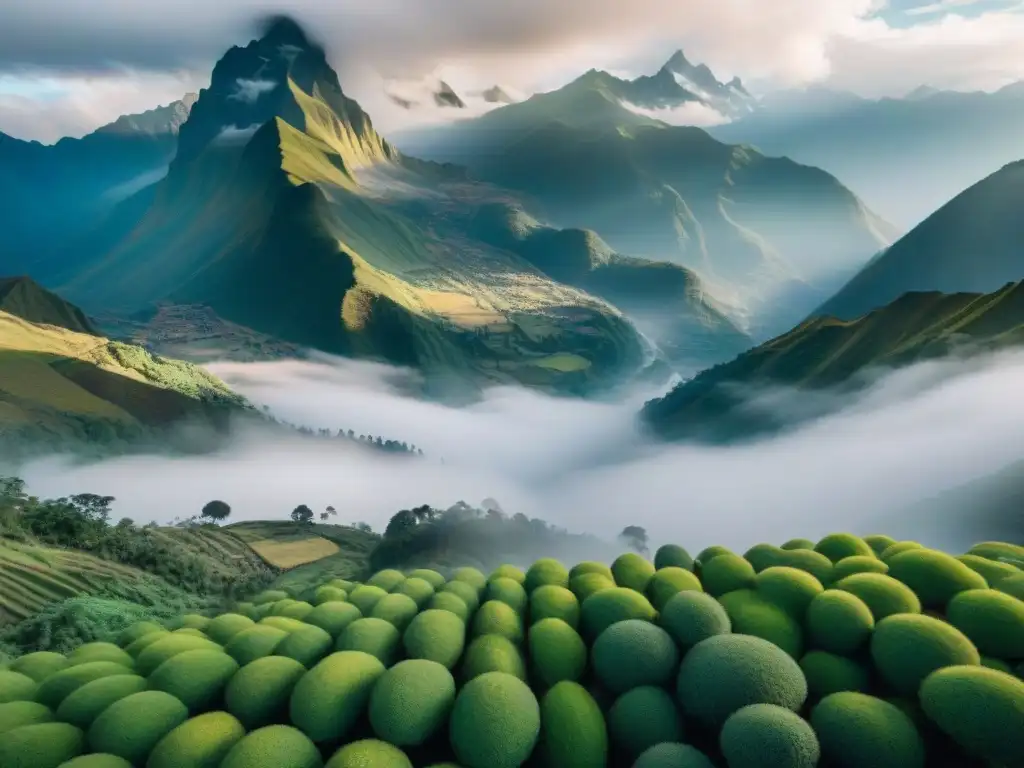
<point x="969" y="244"/>
<point x="770" y="673"/>
<point x="828" y="353"/>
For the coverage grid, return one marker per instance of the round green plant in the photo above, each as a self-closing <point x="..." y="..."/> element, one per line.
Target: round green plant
<point x="495" y="722"/>
<point x="632" y="571"/>
<point x="259" y="693"/>
<point x="84" y="705"/>
<point x="546" y="571"/>
<point x="883" y="595"/>
<point x="131" y="727"/>
<point x="327" y="700"/>
<point x="993" y="620"/>
<point x="554" y="602"/>
<point x="672" y="556"/>
<point x="574" y="734"/>
<point x="497" y="618"/>
<point x="411" y="701"/>
<point x="907" y="647"/>
<point x="839" y="622"/>
<point x="643" y="717"/>
<point x="751" y="614"/>
<point x="197" y="743"/>
<point x="196" y="678"/>
<point x="727" y="573"/>
<point x="373" y="636"/>
<point x="557" y="652"/>
<point x="493" y="653"/>
<point x="633" y="653"/>
<point x="934" y="576"/>
<point x="369" y="752"/>
<point x="830" y="673"/>
<point x="856" y="730"/>
<point x="789" y="588"/>
<point x="601" y="610"/>
<point x="508" y="591"/>
<point x="436" y="635"/>
<point x="768" y="736"/>
<point x="281" y="746"/>
<point x="668" y="582"/>
<point x="694" y="616"/>
<point x="41" y="745"/>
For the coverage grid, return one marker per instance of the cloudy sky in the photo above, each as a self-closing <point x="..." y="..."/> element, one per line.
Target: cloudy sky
<point x="68" y="66"/>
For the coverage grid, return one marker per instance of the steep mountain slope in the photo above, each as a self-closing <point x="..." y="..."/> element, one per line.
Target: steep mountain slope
<point x="52" y="192"/>
<point x="769" y="237"/>
<point x="904" y="157"/>
<point x="25" y="298"/>
<point x="826" y="352"/>
<point x="972" y="243"/>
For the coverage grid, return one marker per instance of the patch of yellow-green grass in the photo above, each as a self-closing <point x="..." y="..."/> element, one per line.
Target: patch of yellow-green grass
<point x="563" y="362"/>
<point x="289" y="554"/>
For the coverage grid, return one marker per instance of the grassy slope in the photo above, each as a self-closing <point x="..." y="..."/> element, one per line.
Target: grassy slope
<point x="825" y="352"/>
<point x="970" y="244"/>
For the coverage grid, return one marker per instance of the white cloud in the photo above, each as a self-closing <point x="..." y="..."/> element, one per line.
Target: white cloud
<point x="231" y="134"/>
<point x="249" y="91"/>
<point x="690" y="113"/>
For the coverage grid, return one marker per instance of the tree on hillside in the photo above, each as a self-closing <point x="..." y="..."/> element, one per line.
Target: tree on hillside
<point x="215" y="511"/>
<point x="634" y="537"/>
<point x="365" y="527"/>
<point x="323" y="516"/>
<point x="332" y="511"/>
<point x="302" y="514"/>
<point x="401" y="522"/>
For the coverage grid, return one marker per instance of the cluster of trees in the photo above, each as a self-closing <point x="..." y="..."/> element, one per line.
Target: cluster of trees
<point x="376" y="442"/>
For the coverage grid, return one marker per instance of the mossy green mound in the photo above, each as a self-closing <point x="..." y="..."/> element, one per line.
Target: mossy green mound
<point x="259" y="693"/>
<point x="388" y="579"/>
<point x="667" y="582"/>
<point x="546" y="571"/>
<point x="497" y="618"/>
<point x="327" y="594"/>
<point x="858" y="564"/>
<point x="839" y="622"/>
<point x="633" y="653"/>
<point x="998" y="664"/>
<point x="768" y="736"/>
<point x="727" y="672"/>
<point x="449" y="601"/>
<point x="587" y="584"/>
<point x="139" y="629"/>
<point x="794" y="544"/>
<point x="837" y="546"/>
<point x="224" y="627"/>
<point x="934" y="576"/>
<point x="763" y="556"/>
<point x="996" y="550"/>
<point x="333" y="617"/>
<point x="373" y="636"/>
<point x="131" y="727"/>
<point x="591" y="566"/>
<point x="328" y="699"/>
<point x="96" y="760"/>
<point x="672" y="556"/>
<point x="270" y="596"/>
<point x="694" y="616"/>
<point x="573" y="731"/>
<point x="41" y="745"/>
<point x="191" y="632"/>
<point x="472" y="576"/>
<point x="15" y="686"/>
<point x="879" y="543"/>
<point x="643" y="717"/>
<point x="601" y="610"/>
<point x="307" y="645"/>
<point x="280" y="746"/>
<point x="673" y="755"/>
<point x="436" y="635"/>
<point x="508" y="572"/>
<point x="493" y="653"/>
<point x="993" y="620"/>
<point x="632" y="571"/>
<point x="420" y="590"/>
<point x="980" y="708"/>
<point x="830" y="673"/>
<point x="83" y="705"/>
<point x="708" y="554"/>
<point x="883" y="595"/>
<point x="254" y="643"/>
<point x="751" y="614"/>
<point x="469" y="594"/>
<point x="39" y="665"/>
<point x="557" y="652"/>
<point x="908" y="647"/>
<point x="58" y="686"/>
<point x="167" y="648"/>
<point x="15" y="714"/>
<point x="411" y="702"/>
<point x="138" y="646"/>
<point x="100" y="652"/>
<point x="369" y="753"/>
<point x="190" y="621"/>
<point x="365" y="597"/>
<point x="196" y="678"/>
<point x="202" y="742"/>
<point x="814" y="563"/>
<point x="993" y="571"/>
<point x="789" y="588"/>
<point x="508" y="591"/>
<point x="495" y="722"/>
<point x="554" y="602"/>
<point x="1013" y="586"/>
<point x="396" y="609"/>
<point x="856" y="730"/>
<point x="727" y="573"/>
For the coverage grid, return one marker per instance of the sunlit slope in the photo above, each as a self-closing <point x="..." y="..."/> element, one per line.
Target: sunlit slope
<point x="826" y="352"/>
<point x="24" y="298"/>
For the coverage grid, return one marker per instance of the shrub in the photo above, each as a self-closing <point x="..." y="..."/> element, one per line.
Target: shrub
<point x="856" y="730"/>
<point x="139" y="629"/>
<point x="15" y="714"/>
<point x="858" y="564"/>
<point x="993" y="620"/>
<point x="995" y="550"/>
<point x="991" y="570"/>
<point x="388" y="579"/>
<point x="365" y="597"/>
<point x="789" y="588"/>
<point x="470" y="596"/>
<point x="270" y="596"/>
<point x="829" y="673"/>
<point x="99" y="651"/>
<point x="980" y="708"/>
<point x="435" y="635"/>
<point x="132" y="726"/>
<point x="727" y="573"/>
<point x="591" y="566"/>
<point x="83" y="705"/>
<point x="138" y="646"/>
<point x="278" y="745"/>
<point x="259" y="692"/>
<point x="672" y="755"/>
<point x="763" y="556"/>
<point x="396" y="609"/>
<point x="328" y="699"/>
<point x="669" y="581"/>
<point x="471" y="576"/>
<point x="40" y="745"/>
<point x="411" y="701"/>
<point x="495" y="722"/>
<point x="632" y="571"/>
<point x="328" y="594"/>
<point x="907" y="647"/>
<point x="226" y="626"/>
<point x="672" y="556"/>
<point x="727" y="672"/>
<point x="573" y="731"/>
<point x="369" y="752"/>
<point x="708" y="554"/>
<point x="58" y="686"/>
<point x="557" y="652"/>
<point x="373" y="636"/>
<point x="254" y="643"/>
<point x="546" y="571"/>
<point x="449" y="601"/>
<point x="39" y="665"/>
<point x="508" y="572"/>
<point x="333" y="617"/>
<point x="508" y="591"/>
<point x="694" y="616"/>
<point x="167" y="648"/>
<point x="554" y="602"/>
<point x="839" y="621"/>
<point x="189" y="621"/>
<point x="836" y="546"/>
<point x="934" y="576"/>
<point x="633" y="653"/>
<point x="587" y="584"/>
<point x="794" y="544"/>
<point x="497" y="618"/>
<point x="196" y="678"/>
<point x="814" y="563"/>
<point x="493" y="653"/>
<point x="601" y="610"/>
<point x="768" y="736"/>
<point x="997" y="664"/>
<point x="883" y="595"/>
<point x="15" y="686"/>
<point x="751" y="614"/>
<point x="1013" y="586"/>
<point x="420" y="590"/>
<point x="879" y="543"/>
<point x="432" y="577"/>
<point x="643" y="717"/>
<point x="96" y="760"/>
<point x="900" y="546"/>
<point x="197" y="743"/>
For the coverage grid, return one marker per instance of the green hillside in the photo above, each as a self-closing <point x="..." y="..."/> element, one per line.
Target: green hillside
<point x="972" y="243"/>
<point x="24" y="298"/>
<point x="828" y="352"/>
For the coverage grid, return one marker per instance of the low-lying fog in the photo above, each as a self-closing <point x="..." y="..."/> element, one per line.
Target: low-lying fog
<point x="584" y="465"/>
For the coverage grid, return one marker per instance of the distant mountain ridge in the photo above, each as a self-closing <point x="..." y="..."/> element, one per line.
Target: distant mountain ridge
<point x="679" y="82"/>
<point x="23" y="297"/>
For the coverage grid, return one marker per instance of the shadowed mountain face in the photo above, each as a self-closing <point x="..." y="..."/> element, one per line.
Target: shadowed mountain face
<point x="828" y="353"/>
<point x="973" y="243"/>
<point x="25" y="298"/>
